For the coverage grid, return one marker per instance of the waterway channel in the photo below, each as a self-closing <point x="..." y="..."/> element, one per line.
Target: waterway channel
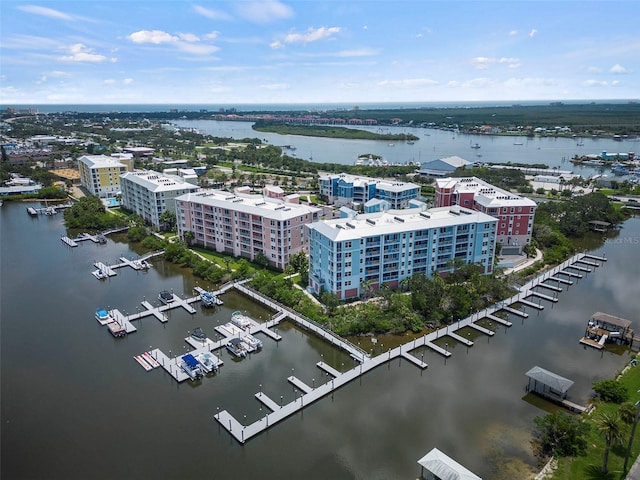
<point x="432" y="144"/>
<point x="76" y="405"/>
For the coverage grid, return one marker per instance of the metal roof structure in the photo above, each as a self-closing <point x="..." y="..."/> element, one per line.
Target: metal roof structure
<point x="445" y="467"/>
<point x="611" y="320"/>
<point x="550" y="379"/>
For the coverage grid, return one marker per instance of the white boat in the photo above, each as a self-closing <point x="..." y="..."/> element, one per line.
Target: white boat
<point x="252" y="343"/>
<point x="207" y="362"/>
<point x="231" y="330"/>
<point x="237" y="347"/>
<point x="100" y="274"/>
<point x="475" y="145"/>
<point x="240" y="320"/>
<point x="209" y="299"/>
<point x="141" y="264"/>
<point x="191" y="366"/>
<point x="165" y="297"/>
<point x="103" y="316"/>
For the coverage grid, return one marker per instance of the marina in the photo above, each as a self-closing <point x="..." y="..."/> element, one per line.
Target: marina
<point x="105" y="271"/>
<point x="99" y="238"/>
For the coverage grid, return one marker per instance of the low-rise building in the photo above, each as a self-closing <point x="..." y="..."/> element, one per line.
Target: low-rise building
<point x="245" y="225"/>
<point x="442" y="167"/>
<point x="514" y="213"/>
<point x="345" y="189"/>
<point x="149" y="194"/>
<point x="100" y="174"/>
<point x="385" y="248"/>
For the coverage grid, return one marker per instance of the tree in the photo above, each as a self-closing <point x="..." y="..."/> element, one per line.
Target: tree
<point x="188" y="236"/>
<point x="612" y="429"/>
<point x="167" y="220"/>
<point x="562" y="434"/>
<point x="611" y="391"/>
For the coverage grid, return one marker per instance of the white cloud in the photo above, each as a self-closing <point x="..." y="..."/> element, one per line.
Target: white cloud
<point x="127" y="81"/>
<point x="482" y="63"/>
<point x="615" y="82"/>
<point x="152" y="36"/>
<point x="264" y="11"/>
<point x="364" y="27"/>
<point x="533" y="32"/>
<point x="188" y="37"/>
<point x="513" y="33"/>
<point x="408" y="83"/>
<point x="80" y="53"/>
<point x="109" y="81"/>
<point x="595" y="83"/>
<point x="618" y="69"/>
<point x="530" y="82"/>
<point x="311" y="35"/>
<point x="212" y="35"/>
<point x="210" y="13"/>
<point x="45" y="12"/>
<point x="197" y="48"/>
<point x="594" y="70"/>
<point x="275" y="86"/>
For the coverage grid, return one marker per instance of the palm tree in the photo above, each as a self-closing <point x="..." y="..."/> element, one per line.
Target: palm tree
<point x="612" y="429"/>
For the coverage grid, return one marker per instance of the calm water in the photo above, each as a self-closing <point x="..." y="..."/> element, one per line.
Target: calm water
<point x="433" y="144"/>
<point x="76" y="405"/>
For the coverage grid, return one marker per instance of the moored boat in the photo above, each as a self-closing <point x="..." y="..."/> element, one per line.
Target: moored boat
<point x="100" y="274"/>
<point x="237" y="348"/>
<point x="207" y="362"/>
<point x="165" y="297"/>
<point x="209" y="299"/>
<point x="191" y="366"/>
<point x="116" y="329"/>
<point x="103" y="316"/>
<point x="239" y="319"/>
<point x="198" y="334"/>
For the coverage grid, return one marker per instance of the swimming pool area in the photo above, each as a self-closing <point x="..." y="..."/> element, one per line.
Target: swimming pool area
<point x="111" y="202"/>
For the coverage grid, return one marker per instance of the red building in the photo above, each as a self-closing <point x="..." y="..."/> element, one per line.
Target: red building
<point x="514" y="213"/>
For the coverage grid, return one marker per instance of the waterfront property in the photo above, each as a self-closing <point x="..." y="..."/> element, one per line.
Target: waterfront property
<point x="442" y="167"/>
<point x="387" y="247"/>
<point x="245" y="225"/>
<point x="344" y="189"/>
<point x="149" y="194"/>
<point x="514" y="213"/>
<point x="100" y="174"/>
<point x="553" y="387"/>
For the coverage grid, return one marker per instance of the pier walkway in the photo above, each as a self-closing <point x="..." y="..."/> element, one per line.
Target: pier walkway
<point x="137" y="264"/>
<point x="308" y="395"/>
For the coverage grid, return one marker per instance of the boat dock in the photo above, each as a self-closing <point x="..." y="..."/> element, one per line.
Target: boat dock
<point x="49" y="210"/>
<point x="365" y="362"/>
<point x="110" y="270"/>
<point x="98" y="238"/>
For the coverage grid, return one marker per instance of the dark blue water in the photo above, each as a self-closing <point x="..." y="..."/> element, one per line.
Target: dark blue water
<point x="75" y="404"/>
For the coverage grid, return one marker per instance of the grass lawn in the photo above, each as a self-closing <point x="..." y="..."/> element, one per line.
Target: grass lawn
<point x="589" y="466"/>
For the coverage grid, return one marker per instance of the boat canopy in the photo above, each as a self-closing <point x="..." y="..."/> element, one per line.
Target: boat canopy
<point x="445" y="467"/>
<point x="550" y="379"/>
<point x="190" y="360"/>
<point x="102" y="312"/>
<point x="611" y="320"/>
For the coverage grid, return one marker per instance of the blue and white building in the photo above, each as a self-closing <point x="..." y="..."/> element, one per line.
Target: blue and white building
<point x="384" y="248"/>
<point x="344" y="189"/>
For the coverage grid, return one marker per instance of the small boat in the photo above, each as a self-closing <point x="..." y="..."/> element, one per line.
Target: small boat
<point x="116" y="329"/>
<point x="237" y="348"/>
<point x="410" y="142"/>
<point x="475" y="145"/>
<point x="198" y="334"/>
<point x="165" y="297"/>
<point x="101" y="239"/>
<point x="252" y="343"/>
<point x="191" y="366"/>
<point x="100" y="274"/>
<point x="210" y="300"/>
<point x="103" y="315"/>
<point x="240" y="320"/>
<point x="518" y="143"/>
<point x="141" y="264"/>
<point x="207" y="362"/>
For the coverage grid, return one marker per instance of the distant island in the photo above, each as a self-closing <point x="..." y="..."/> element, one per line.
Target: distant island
<point x="329" y="131"/>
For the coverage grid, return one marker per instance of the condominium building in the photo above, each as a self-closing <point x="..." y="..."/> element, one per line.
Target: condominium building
<point x="514" y="213"/>
<point x="149" y="194"/>
<point x="386" y="247"/>
<point x="345" y="189"/>
<point x="246" y="225"/>
<point x="100" y="174"/>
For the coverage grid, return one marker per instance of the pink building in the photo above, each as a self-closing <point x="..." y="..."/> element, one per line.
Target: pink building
<point x="514" y="213"/>
<point x="246" y="225"/>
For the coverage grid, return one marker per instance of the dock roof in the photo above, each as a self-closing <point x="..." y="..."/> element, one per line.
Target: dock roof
<point x="611" y="320"/>
<point x="445" y="467"/>
<point x="550" y="379"/>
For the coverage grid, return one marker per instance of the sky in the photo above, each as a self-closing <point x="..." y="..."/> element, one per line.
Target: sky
<point x="308" y="51"/>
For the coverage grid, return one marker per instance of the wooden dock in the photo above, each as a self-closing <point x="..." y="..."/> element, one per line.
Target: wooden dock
<point x="543" y="296"/>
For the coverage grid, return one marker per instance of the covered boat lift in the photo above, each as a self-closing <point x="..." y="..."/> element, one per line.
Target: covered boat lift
<point x="435" y="465"/>
<point x="548" y="383"/>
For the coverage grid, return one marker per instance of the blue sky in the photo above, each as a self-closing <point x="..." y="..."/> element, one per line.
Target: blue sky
<point x="272" y="51"/>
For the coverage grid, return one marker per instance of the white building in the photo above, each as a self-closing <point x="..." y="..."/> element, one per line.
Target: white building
<point x="149" y="194"/>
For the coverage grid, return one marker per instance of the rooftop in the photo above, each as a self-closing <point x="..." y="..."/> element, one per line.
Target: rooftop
<point x="158" y="182"/>
<point x="395" y="221"/>
<point x="484" y="193"/>
<point x="360" y="181"/>
<point x="100" y="161"/>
